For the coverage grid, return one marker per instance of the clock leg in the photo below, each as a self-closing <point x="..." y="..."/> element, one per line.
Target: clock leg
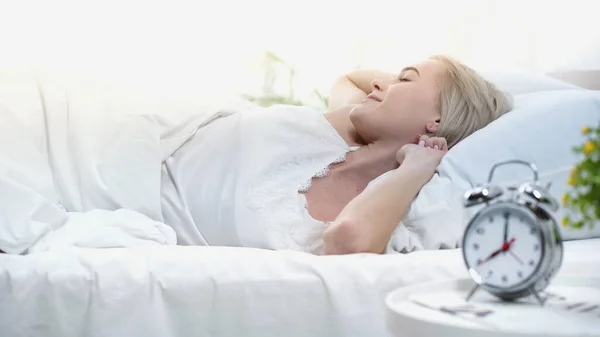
<point x="537" y="296"/>
<point x="472" y="292"/>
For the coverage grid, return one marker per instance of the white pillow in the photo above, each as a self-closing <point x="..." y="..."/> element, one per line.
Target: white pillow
<point x="542" y="129"/>
<point x="520" y="83"/>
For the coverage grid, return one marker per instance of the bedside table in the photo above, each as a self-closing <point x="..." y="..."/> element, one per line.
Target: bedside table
<point x="439" y="309"/>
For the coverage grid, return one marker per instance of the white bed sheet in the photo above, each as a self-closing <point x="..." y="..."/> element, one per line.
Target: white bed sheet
<point x="202" y="291"/>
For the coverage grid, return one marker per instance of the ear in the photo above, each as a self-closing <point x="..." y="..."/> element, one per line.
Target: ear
<point x="433" y="126"/>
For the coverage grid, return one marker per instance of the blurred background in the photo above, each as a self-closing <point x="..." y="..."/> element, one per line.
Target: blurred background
<point x="283" y="50"/>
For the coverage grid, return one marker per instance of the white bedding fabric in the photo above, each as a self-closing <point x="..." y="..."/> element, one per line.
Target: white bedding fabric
<point x="77" y="147"/>
<point x="170" y="291"/>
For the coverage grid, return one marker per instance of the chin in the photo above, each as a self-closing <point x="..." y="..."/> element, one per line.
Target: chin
<point x="357" y="117"/>
<point x="358" y="112"/>
<point x="360" y="118"/>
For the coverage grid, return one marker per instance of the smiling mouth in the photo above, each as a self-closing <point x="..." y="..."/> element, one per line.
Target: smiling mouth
<point x="373" y="97"/>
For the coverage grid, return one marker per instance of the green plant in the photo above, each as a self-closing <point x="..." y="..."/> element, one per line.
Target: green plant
<point x="270" y="97"/>
<point x="583" y="199"/>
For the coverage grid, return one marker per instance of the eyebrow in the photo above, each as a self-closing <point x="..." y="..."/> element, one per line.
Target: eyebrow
<point x="409" y="69"/>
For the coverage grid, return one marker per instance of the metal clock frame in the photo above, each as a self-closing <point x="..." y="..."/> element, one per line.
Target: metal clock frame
<point x="534" y="203"/>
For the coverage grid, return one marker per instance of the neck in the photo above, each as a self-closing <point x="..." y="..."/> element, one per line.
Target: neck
<point x="340" y="120"/>
<point x="370" y="161"/>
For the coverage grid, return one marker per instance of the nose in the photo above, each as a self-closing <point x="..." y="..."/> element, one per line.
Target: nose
<point x="377" y="84"/>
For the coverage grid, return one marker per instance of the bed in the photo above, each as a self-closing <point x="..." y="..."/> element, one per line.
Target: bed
<point x="202" y="291"/>
<point x="76" y="284"/>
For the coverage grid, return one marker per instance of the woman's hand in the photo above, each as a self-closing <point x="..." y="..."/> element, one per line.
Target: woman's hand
<point x="367" y="222"/>
<point x="425" y="156"/>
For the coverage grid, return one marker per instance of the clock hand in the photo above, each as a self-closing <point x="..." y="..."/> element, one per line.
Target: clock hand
<point x="515" y="256"/>
<point x="493" y="255"/>
<point x="506" y="215"/>
<point x="505" y="247"/>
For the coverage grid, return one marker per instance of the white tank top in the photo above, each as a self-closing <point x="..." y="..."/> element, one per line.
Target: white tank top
<point x="238" y="180"/>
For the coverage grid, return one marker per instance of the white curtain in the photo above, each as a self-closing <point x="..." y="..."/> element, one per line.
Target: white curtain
<point x="217" y="46"/>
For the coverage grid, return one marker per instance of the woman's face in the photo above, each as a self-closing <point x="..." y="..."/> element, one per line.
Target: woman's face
<point x="400" y="108"/>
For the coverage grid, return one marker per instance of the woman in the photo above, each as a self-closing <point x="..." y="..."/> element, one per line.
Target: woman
<point x="293" y="178"/>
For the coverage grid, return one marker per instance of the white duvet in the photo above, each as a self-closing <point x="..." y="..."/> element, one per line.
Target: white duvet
<point x="84" y="148"/>
<point x="176" y="291"/>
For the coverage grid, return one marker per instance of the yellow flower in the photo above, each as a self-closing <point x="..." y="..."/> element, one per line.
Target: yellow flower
<point x="588" y="147"/>
<point x="585" y="130"/>
<point x="565" y="222"/>
<point x="565" y="199"/>
<point x="571" y="181"/>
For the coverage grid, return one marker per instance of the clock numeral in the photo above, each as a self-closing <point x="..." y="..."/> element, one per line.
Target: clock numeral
<point x="480" y="231"/>
<point x="531" y="262"/>
<point x="520" y="274"/>
<point x="475" y="246"/>
<point x="504" y="278"/>
<point x="533" y="231"/>
<point x="521" y="219"/>
<point x="479" y="262"/>
<point x="490" y="273"/>
<point x="506" y="215"/>
<point x="536" y="247"/>
<point x="491" y="219"/>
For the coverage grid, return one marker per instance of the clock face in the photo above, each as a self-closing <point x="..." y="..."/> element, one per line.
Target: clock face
<point x="503" y="246"/>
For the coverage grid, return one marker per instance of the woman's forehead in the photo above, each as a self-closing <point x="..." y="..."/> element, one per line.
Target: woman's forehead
<point x="429" y="68"/>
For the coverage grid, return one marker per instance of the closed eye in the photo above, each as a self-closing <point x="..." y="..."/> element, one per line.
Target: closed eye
<point x="403" y="79"/>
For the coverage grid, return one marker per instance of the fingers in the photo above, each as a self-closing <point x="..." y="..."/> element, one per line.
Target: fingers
<point x="431" y="143"/>
<point x="444" y="146"/>
<point x="436" y="143"/>
<point x="440" y="144"/>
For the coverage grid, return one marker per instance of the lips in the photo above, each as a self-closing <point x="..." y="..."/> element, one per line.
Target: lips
<point x="373" y="97"/>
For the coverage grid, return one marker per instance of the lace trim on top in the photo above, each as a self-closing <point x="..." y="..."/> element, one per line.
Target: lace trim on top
<point x="315" y="228"/>
<point x="313" y="145"/>
<point x="324" y="172"/>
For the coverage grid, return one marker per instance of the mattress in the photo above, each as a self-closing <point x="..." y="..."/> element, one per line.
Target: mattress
<point x="172" y="291"/>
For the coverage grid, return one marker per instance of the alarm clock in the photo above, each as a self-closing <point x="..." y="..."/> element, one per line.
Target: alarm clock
<point x="512" y="245"/>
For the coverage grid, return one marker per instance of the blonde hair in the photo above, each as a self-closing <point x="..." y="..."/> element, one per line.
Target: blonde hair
<point x="467" y="102"/>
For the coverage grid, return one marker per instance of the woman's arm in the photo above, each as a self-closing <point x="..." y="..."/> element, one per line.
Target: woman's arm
<point x="354" y="87"/>
<point x="366" y="224"/>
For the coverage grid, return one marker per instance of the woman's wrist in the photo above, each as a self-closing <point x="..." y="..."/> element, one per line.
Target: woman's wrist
<point x="420" y="173"/>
